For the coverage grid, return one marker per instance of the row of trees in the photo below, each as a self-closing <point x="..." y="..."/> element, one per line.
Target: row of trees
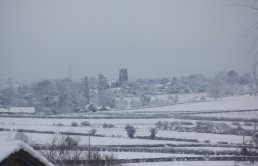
<point x="64" y="95"/>
<point x="194" y="82"/>
<point x="61" y="95"/>
<point x="131" y="131"/>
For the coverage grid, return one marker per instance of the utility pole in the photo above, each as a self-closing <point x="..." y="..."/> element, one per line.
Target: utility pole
<point x="89" y="148"/>
<point x="243" y="132"/>
<point x="57" y="104"/>
<point x="243" y="138"/>
<point x="57" y="108"/>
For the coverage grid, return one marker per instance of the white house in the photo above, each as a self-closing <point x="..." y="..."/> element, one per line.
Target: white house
<point x="18" y="110"/>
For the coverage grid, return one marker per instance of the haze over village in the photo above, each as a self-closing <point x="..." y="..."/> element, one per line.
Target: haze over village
<point x="128" y="83"/>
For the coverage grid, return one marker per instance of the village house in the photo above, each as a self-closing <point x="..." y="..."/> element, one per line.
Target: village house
<point x="17" y="153"/>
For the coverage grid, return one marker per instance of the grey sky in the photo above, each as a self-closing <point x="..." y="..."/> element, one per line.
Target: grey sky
<point x="152" y="38"/>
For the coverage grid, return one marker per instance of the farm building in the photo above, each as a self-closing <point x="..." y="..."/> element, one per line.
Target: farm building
<point x="103" y="108"/>
<point x="17" y="153"/>
<point x="18" y="110"/>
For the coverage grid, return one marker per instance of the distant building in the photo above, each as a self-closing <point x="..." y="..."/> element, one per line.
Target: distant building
<point x="103" y="108"/>
<point x="123" y="77"/>
<point x="18" y="110"/>
<point x="91" y="107"/>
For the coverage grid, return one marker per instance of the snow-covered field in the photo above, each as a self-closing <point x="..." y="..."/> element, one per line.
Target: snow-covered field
<point x="118" y="136"/>
<point x="243" y="102"/>
<point x="187" y="163"/>
<point x="136" y="155"/>
<point x="119" y="131"/>
<point x="83" y="140"/>
<point x="182" y="98"/>
<point x="245" y="114"/>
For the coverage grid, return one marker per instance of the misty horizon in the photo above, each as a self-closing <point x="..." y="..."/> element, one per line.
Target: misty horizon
<point x="129" y="82"/>
<point x="39" y="40"/>
<point x="16" y="82"/>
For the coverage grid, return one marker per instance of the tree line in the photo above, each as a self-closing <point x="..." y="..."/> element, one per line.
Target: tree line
<point x="65" y="95"/>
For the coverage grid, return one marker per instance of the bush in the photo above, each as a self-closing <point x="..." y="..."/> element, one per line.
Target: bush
<point x="97" y="159"/>
<point x="175" y="125"/>
<point x="207" y="141"/>
<point x="85" y="123"/>
<point x="203" y="98"/>
<point x="4" y="129"/>
<point x="224" y="143"/>
<point x="236" y="123"/>
<point x="166" y="125"/>
<point x="130" y="130"/>
<point x="93" y="131"/>
<point x="248" y="124"/>
<point x="70" y="142"/>
<point x="105" y="125"/>
<point x="153" y="132"/>
<point x="186" y="123"/>
<point x="255" y="138"/>
<point x="67" y="149"/>
<point x="159" y="125"/>
<point x="22" y="137"/>
<point x="74" y="124"/>
<point x="60" y="124"/>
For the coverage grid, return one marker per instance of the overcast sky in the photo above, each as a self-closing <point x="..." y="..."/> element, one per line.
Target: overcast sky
<point x="152" y="38"/>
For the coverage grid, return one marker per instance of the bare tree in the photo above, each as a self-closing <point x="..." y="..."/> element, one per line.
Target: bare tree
<point x="252" y="31"/>
<point x="22" y="137"/>
<point x="255" y="139"/>
<point x="86" y="90"/>
<point x="153" y="132"/>
<point x="65" y="151"/>
<point x="130" y="130"/>
<point x="215" y="89"/>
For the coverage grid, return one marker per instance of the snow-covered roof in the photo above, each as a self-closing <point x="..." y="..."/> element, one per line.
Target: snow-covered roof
<point x="10" y="147"/>
<point x="103" y="107"/>
<point x="159" y="85"/>
<point x="28" y="110"/>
